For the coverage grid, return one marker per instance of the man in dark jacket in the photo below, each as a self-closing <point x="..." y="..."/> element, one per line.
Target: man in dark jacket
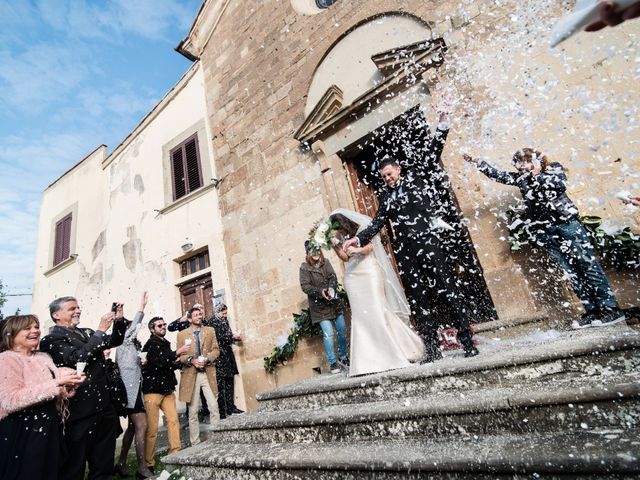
<point x="422" y="237"/>
<point x="183" y="323"/>
<point x="554" y="224"/>
<point x="226" y="366"/>
<point x="158" y="386"/>
<point x="92" y="426"/>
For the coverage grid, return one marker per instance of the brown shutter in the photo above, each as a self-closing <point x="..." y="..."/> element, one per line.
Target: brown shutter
<point x="66" y="237"/>
<point x="185" y="168"/>
<point x="62" y="246"/>
<point x="192" y="162"/>
<point x="57" y="249"/>
<point x="177" y="167"/>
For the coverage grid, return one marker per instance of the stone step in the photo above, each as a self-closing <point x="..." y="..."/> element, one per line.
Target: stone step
<point x="593" y="454"/>
<point x="565" y="404"/>
<point x="480" y="412"/>
<point x="551" y="357"/>
<point x="513" y="328"/>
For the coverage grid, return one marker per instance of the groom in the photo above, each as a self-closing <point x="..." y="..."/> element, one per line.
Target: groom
<point x="425" y="266"/>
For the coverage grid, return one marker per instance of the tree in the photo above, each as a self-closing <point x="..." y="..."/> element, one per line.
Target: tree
<point x="3" y="299"/>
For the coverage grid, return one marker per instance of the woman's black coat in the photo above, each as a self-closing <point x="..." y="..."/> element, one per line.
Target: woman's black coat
<point x="226" y="362"/>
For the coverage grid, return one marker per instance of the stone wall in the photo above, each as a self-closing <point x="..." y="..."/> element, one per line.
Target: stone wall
<point x="513" y="91"/>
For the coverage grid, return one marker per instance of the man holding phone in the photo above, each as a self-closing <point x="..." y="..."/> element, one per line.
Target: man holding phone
<point x="92" y="427"/>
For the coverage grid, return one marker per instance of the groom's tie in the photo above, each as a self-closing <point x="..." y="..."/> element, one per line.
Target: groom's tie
<point x="198" y="349"/>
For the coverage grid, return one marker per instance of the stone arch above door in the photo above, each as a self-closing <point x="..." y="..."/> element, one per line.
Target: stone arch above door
<point x="377" y="58"/>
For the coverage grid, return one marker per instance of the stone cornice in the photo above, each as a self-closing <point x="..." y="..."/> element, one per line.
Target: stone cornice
<point x="202" y="29"/>
<point x="401" y="67"/>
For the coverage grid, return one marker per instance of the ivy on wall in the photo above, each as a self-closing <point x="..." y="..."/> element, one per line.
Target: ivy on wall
<point x="302" y="328"/>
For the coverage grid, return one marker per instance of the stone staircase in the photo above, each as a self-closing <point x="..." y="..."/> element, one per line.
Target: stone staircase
<point x="560" y="405"/>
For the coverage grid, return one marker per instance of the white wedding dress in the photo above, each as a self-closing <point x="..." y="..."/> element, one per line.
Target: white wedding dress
<point x="381" y="338"/>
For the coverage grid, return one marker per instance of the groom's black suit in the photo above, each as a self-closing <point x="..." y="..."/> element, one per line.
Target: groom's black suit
<point x="411" y="207"/>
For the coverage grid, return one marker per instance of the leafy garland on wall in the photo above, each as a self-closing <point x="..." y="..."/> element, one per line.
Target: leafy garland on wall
<point x="302" y="327"/>
<point x="620" y="249"/>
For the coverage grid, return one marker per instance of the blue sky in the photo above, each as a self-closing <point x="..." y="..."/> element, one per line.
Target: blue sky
<point x="73" y="74"/>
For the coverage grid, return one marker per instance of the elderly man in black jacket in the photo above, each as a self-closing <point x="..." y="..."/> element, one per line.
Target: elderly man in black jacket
<point x="158" y="386"/>
<point x="226" y="366"/>
<point x="421" y="239"/>
<point x="553" y="221"/>
<point x="92" y="426"/>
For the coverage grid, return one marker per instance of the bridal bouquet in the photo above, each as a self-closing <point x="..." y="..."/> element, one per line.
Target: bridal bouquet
<point x="322" y="236"/>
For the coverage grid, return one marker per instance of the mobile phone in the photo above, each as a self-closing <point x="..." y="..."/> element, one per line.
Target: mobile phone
<point x="114" y="307"/>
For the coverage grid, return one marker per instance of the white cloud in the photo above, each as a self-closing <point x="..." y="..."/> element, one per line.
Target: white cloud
<point x="16" y="17"/>
<point x="40" y="75"/>
<point x="120" y="98"/>
<point x="29" y="164"/>
<point x="151" y="19"/>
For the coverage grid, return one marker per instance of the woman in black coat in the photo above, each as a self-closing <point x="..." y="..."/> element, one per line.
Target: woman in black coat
<point x="318" y="280"/>
<point x="226" y="366"/>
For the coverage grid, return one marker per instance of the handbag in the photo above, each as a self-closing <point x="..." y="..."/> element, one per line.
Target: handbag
<point x="117" y="389"/>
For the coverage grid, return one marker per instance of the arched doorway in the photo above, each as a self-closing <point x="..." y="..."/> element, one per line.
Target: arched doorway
<point x="367" y="98"/>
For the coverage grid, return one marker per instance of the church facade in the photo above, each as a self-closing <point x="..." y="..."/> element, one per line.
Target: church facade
<point x="296" y="103"/>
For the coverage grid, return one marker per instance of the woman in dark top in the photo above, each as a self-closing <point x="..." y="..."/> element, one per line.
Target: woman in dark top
<point x="226" y="366"/>
<point x="318" y="280"/>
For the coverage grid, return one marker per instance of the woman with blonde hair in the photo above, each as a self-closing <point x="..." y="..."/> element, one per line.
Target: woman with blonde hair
<point x="31" y="389"/>
<point x="130" y="364"/>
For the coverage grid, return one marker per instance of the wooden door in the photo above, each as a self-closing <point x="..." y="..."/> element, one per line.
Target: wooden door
<point x="367" y="204"/>
<point x="199" y="291"/>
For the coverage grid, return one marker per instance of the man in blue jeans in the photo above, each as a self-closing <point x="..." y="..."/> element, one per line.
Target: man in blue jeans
<point x="555" y="227"/>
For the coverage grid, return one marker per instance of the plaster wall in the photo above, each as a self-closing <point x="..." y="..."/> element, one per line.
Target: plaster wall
<point x="74" y="192"/>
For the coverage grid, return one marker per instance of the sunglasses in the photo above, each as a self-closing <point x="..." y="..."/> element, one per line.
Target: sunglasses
<point x="161" y="325"/>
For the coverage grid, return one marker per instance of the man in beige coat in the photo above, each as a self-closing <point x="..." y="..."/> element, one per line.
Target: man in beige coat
<point x="199" y="372"/>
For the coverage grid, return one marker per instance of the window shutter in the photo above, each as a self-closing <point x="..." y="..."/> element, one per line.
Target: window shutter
<point x="57" y="249"/>
<point x="177" y="163"/>
<point x="66" y="237"/>
<point x="193" y="165"/>
<point x="62" y="246"/>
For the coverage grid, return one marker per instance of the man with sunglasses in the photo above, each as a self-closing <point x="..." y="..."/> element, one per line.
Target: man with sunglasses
<point x="158" y="386"/>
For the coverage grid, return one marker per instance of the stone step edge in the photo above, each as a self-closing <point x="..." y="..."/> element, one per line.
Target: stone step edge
<point x="537" y="318"/>
<point x="567" y="349"/>
<point x="544" y="453"/>
<point x="421" y="407"/>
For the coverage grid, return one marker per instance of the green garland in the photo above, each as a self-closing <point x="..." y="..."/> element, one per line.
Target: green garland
<point x="303" y="327"/>
<point x="620" y="250"/>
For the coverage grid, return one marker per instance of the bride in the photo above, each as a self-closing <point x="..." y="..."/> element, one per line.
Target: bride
<point x="381" y="338"/>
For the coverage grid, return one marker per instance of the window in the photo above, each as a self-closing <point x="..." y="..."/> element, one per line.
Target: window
<point x="311" y="7"/>
<point x="62" y="248"/>
<point x="194" y="264"/>
<point x="186" y="171"/>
